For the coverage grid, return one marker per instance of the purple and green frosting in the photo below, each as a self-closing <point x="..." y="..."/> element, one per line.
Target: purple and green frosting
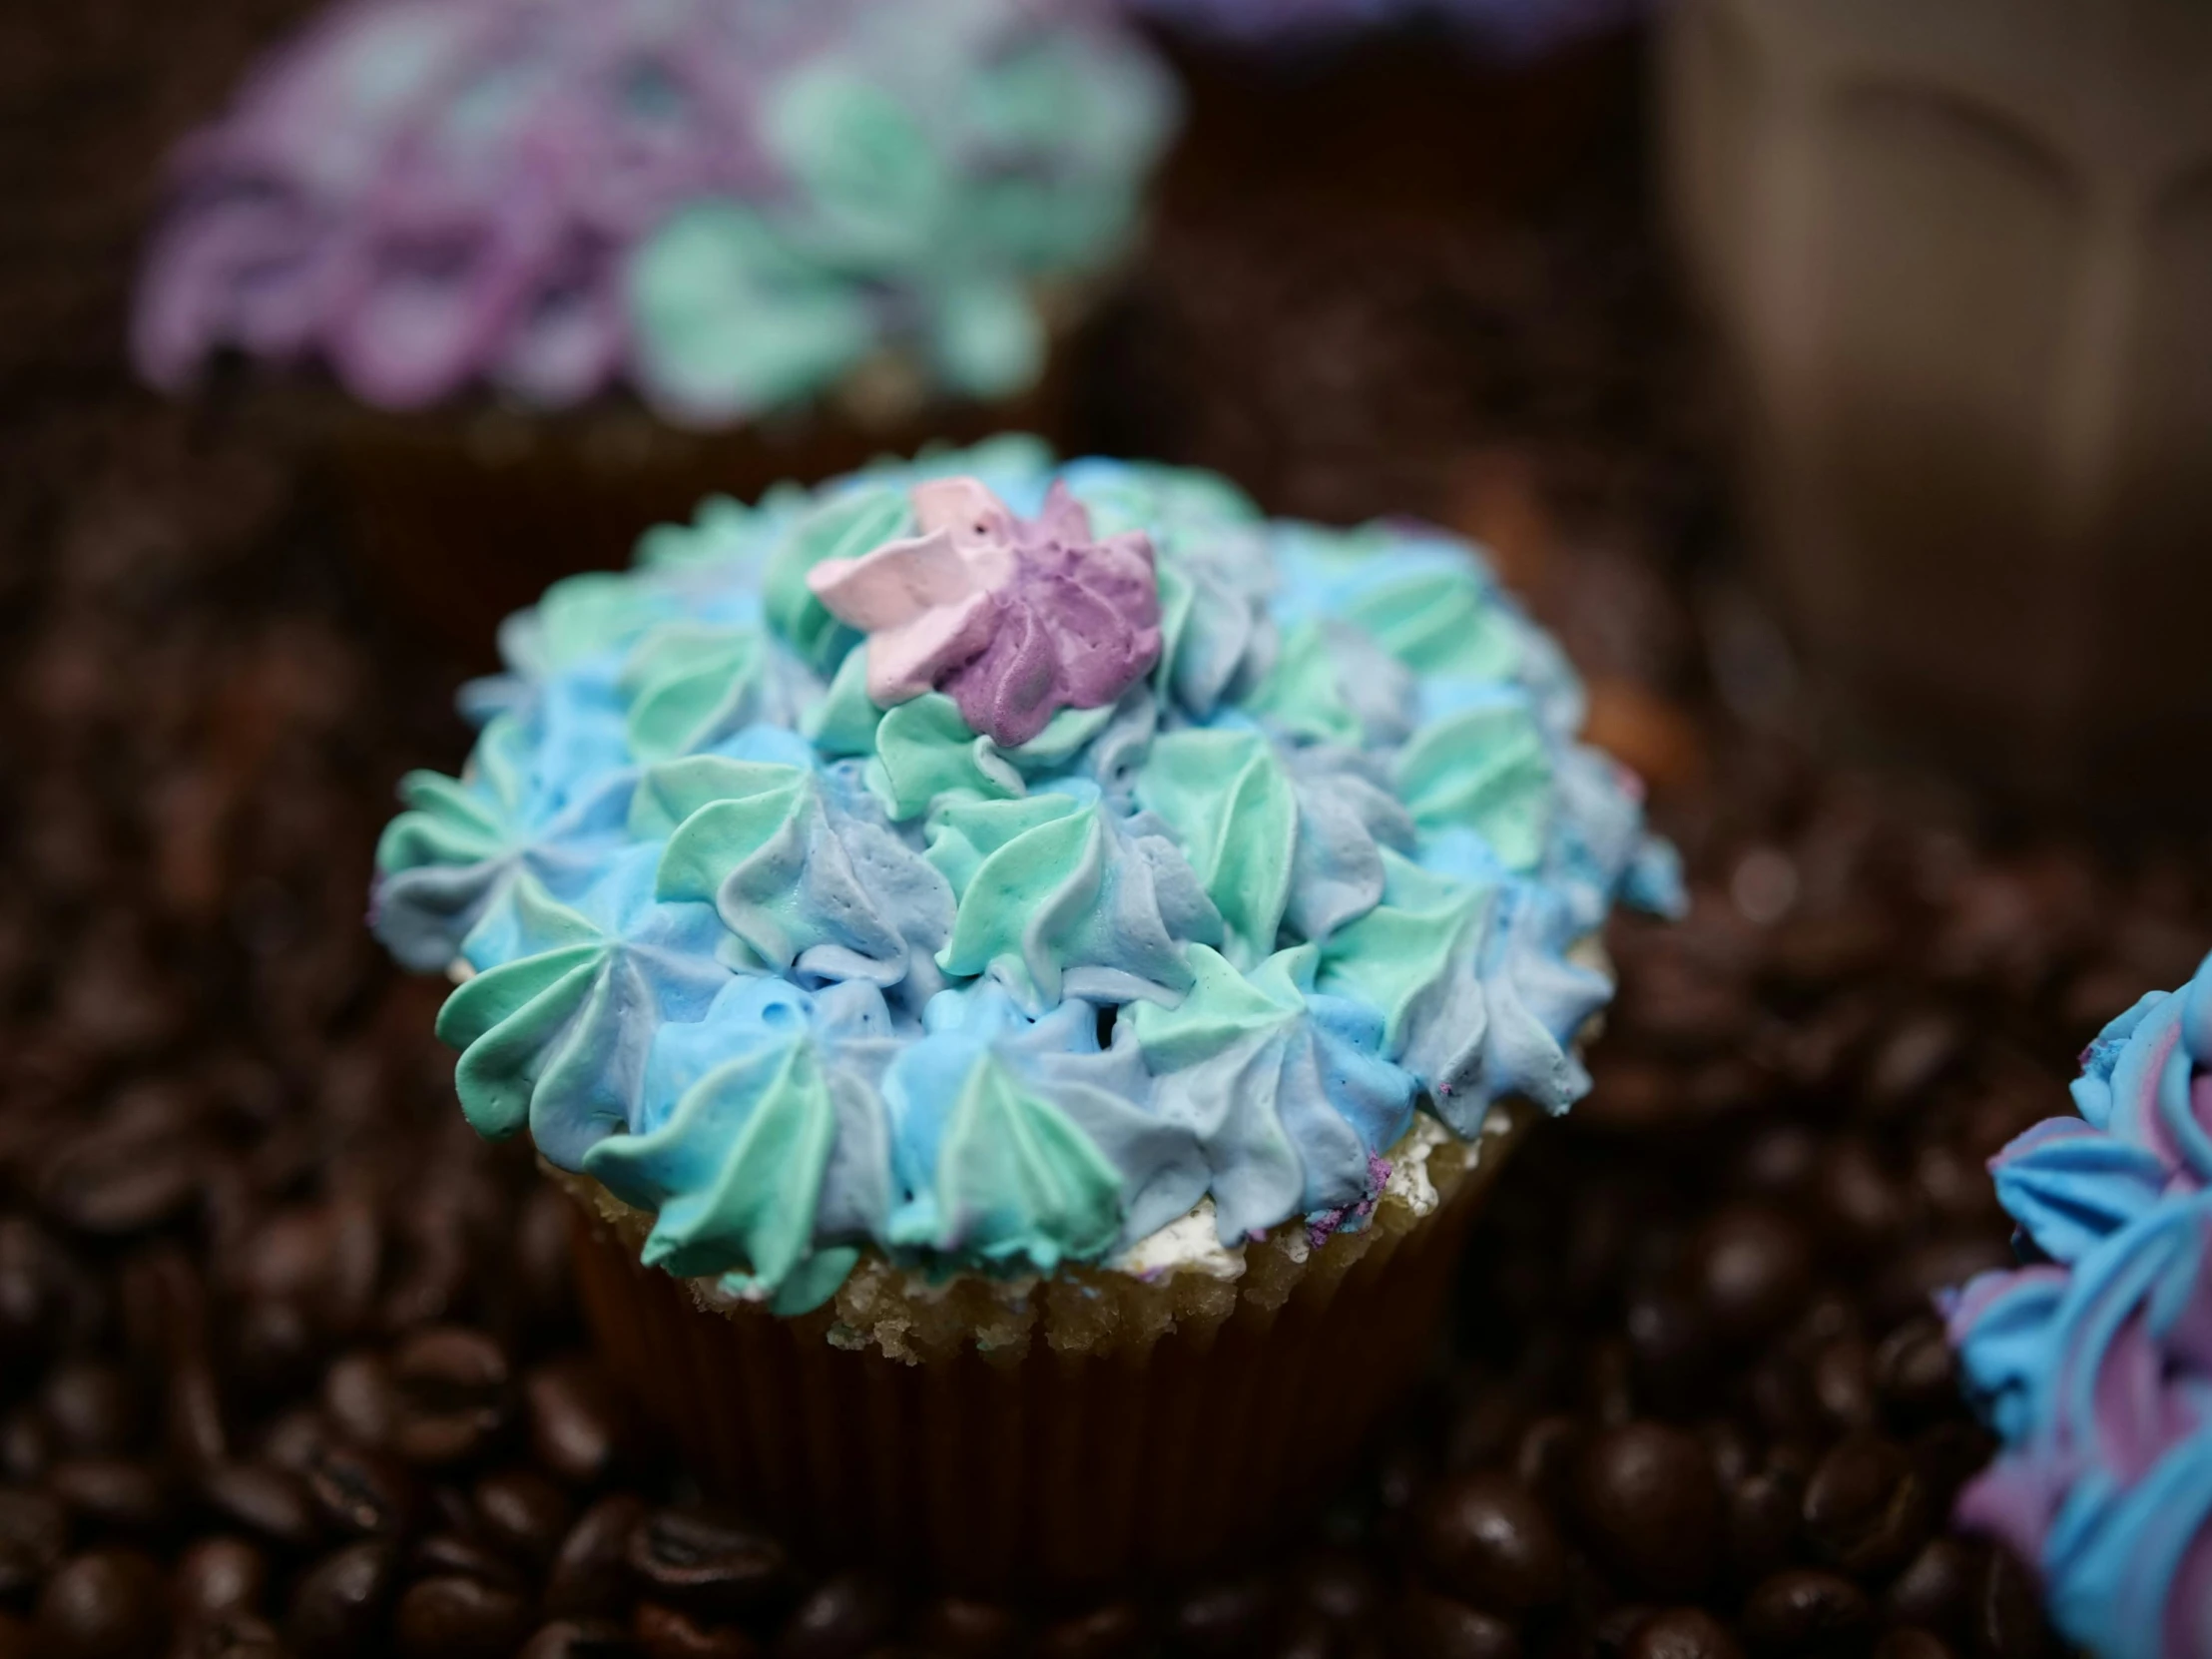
<point x="983" y="862"/>
<point x="2094" y="1362"/>
<point x="730" y="207"/>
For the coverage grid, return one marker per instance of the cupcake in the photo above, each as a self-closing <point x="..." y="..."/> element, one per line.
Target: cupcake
<point x="552" y="271"/>
<point x="2093" y="1362"/>
<point x="1025" y="972"/>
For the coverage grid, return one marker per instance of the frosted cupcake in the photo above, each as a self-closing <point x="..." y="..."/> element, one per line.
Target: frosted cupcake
<point x="1025" y="972"/>
<point x="2095" y="1364"/>
<point x="573" y="264"/>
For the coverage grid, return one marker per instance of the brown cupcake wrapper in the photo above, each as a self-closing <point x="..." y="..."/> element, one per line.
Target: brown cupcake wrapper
<point x="1047" y="1470"/>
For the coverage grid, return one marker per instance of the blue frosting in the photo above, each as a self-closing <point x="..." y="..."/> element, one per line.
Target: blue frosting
<point x="803" y="977"/>
<point x="2095" y="1365"/>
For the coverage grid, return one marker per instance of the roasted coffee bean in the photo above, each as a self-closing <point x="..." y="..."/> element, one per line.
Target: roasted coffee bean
<point x="1937" y="1590"/>
<point x="1865" y="1511"/>
<point x="26" y="1446"/>
<point x="1910" y="1643"/>
<point x="590" y="1574"/>
<point x="1437" y="1627"/>
<point x="842" y="1619"/>
<point x="580" y="1639"/>
<point x="1647" y="1498"/>
<point x="338" y="1605"/>
<point x="1681" y="1633"/>
<point x="34" y="1533"/>
<point x="669" y="1633"/>
<point x="576" y="1424"/>
<point x="1762" y="1520"/>
<point x="360" y="1399"/>
<point x="2007" y="1624"/>
<point x="523" y="1513"/>
<point x="103" y="1604"/>
<point x="460" y="1618"/>
<point x="1750" y="1271"/>
<point x="230" y="1636"/>
<point x="217" y="1575"/>
<point x="362" y="1492"/>
<point x="1546" y="1457"/>
<point x="698" y="1561"/>
<point x="1611" y="1629"/>
<point x="1339" y="1585"/>
<point x="109" y="1187"/>
<point x="1107" y="1632"/>
<point x="1860" y="1208"/>
<point x="453" y="1388"/>
<point x="1487" y="1540"/>
<point x="1947" y="1455"/>
<point x="1842" y="1378"/>
<point x="963" y="1629"/>
<point x="33" y="1295"/>
<point x="268" y="1502"/>
<point x="112" y="1492"/>
<point x="1670" y="1347"/>
<point x="449" y="1554"/>
<point x="92" y="1408"/>
<point x="1799" y="1611"/>
<point x="1916" y="1375"/>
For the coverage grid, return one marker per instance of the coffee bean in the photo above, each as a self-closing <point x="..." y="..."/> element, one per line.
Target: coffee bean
<point x="460" y="1618"/>
<point x="34" y="1535"/>
<point x="217" y="1575"/>
<point x="576" y="1423"/>
<point x="359" y="1398"/>
<point x="1647" y="1496"/>
<point x="92" y="1408"/>
<point x="1916" y="1375"/>
<point x="1670" y="1348"/>
<point x="26" y="1446"/>
<point x="1842" y="1379"/>
<point x="1860" y="1208"/>
<point x="449" y="1554"/>
<point x="104" y="1604"/>
<point x="1936" y="1591"/>
<point x="112" y="1492"/>
<point x="523" y="1513"/>
<point x="590" y="1574"/>
<point x="1947" y="1456"/>
<point x="268" y="1502"/>
<point x="1489" y="1542"/>
<point x="337" y="1608"/>
<point x="362" y="1492"/>
<point x="1801" y="1612"/>
<point x="453" y="1388"/>
<point x="1681" y="1633"/>
<point x="1339" y="1585"/>
<point x="1750" y="1270"/>
<point x="1545" y="1459"/>
<point x="842" y="1619"/>
<point x="2007" y="1621"/>
<point x="109" y="1188"/>
<point x="1865" y="1511"/>
<point x="1761" y="1521"/>
<point x="580" y="1639"/>
<point x="963" y="1629"/>
<point x="667" y="1633"/>
<point x="230" y="1636"/>
<point x="1611" y="1629"/>
<point x="698" y="1561"/>
<point x="1435" y="1627"/>
<point x="1108" y="1632"/>
<point x="1910" y="1643"/>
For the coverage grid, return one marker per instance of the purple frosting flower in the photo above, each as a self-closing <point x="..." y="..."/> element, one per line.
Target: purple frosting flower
<point x="1507" y="29"/>
<point x="2095" y="1367"/>
<point x="1016" y="619"/>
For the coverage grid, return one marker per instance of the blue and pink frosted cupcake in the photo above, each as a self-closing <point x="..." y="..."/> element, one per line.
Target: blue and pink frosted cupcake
<point x="568" y="264"/>
<point x="2094" y="1363"/>
<point x="1026" y="971"/>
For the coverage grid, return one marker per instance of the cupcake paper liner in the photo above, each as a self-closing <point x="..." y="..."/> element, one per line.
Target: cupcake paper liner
<point x="1065" y="1462"/>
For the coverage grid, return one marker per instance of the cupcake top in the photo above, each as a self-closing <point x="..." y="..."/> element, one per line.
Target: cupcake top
<point x="731" y="206"/>
<point x="1505" y="28"/>
<point x="992" y="864"/>
<point x="2095" y="1364"/>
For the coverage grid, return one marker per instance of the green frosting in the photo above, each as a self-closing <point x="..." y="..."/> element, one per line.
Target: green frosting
<point x="924" y="751"/>
<point x="686" y="683"/>
<point x="845" y="526"/>
<point x="1441" y="623"/>
<point x="1301" y="693"/>
<point x="1486" y="769"/>
<point x="1229" y="803"/>
<point x="767" y="1121"/>
<point x="1418" y="937"/>
<point x="1017" y="1181"/>
<point x="1224" y="1007"/>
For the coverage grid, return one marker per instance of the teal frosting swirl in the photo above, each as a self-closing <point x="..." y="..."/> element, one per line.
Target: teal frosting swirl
<point x="804" y="976"/>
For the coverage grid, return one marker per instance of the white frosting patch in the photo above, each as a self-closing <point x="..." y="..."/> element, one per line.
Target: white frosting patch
<point x="1188" y="1243"/>
<point x="1409" y="1179"/>
<point x="460" y="972"/>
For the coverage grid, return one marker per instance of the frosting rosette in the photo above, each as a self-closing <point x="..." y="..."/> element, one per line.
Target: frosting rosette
<point x="2094" y="1362"/>
<point x="985" y="864"/>
<point x="732" y="206"/>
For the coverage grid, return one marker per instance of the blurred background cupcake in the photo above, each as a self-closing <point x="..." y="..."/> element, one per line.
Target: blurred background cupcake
<point x="554" y="270"/>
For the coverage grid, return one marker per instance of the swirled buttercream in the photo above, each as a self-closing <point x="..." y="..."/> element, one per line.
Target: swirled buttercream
<point x="2095" y="1365"/>
<point x="731" y="204"/>
<point x="795" y="946"/>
